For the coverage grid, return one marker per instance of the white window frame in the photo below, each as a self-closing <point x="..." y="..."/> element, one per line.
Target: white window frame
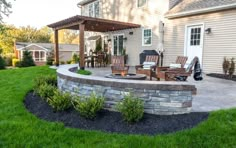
<point x="92" y="5"/>
<point x="40" y="59"/>
<point x="143" y="44"/>
<point x="142" y="5"/>
<point x="119" y="34"/>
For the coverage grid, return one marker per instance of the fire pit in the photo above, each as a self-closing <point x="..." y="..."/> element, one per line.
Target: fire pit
<point x="129" y="76"/>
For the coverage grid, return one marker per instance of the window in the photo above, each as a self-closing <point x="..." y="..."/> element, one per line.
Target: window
<point x="38" y="56"/>
<point x="147" y="37"/>
<point x="195" y="37"/>
<point x="93" y="9"/>
<point x="141" y="3"/>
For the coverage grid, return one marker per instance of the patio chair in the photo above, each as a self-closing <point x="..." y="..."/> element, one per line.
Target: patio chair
<point x="148" y="67"/>
<point x="100" y="60"/>
<point x="179" y="63"/>
<point x="178" y="74"/>
<point x="118" y="65"/>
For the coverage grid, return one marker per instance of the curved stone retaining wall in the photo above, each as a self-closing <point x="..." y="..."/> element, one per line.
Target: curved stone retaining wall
<point x="163" y="98"/>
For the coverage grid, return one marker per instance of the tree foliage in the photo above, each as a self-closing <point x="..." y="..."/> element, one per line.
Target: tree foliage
<point x="9" y="34"/>
<point x="5" y="7"/>
<point x="67" y="37"/>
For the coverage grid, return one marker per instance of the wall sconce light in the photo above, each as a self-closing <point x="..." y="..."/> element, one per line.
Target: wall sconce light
<point x="208" y="30"/>
<point x="125" y="38"/>
<point x="131" y="33"/>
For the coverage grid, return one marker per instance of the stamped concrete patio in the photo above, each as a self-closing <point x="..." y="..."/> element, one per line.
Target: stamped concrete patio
<point x="212" y="93"/>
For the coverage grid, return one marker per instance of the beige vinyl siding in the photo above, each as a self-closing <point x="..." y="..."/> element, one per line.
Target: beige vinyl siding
<point x="220" y="43"/>
<point x="147" y="16"/>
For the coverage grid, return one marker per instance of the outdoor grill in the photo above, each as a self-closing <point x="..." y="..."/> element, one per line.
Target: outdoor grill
<point x="142" y="55"/>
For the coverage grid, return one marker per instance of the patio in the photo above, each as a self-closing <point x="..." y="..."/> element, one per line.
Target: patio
<point x="212" y="93"/>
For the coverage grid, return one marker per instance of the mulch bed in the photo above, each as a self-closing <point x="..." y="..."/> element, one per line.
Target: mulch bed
<point x="221" y="76"/>
<point x="112" y="122"/>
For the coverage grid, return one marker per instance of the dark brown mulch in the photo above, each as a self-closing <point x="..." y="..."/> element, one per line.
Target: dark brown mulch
<point x="222" y="76"/>
<point x="112" y="122"/>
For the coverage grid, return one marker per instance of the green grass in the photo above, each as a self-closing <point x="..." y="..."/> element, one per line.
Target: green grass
<point x="19" y="128"/>
<point x="84" y="72"/>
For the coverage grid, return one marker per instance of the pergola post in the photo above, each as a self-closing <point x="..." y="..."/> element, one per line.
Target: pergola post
<point x="81" y="46"/>
<point x="56" y="48"/>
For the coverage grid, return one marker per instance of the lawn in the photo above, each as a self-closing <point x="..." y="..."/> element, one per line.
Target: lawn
<point x="19" y="128"/>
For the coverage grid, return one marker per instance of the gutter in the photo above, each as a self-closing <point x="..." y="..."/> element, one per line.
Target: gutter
<point x="201" y="11"/>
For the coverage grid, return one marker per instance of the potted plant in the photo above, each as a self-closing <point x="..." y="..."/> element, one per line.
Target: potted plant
<point x="125" y="55"/>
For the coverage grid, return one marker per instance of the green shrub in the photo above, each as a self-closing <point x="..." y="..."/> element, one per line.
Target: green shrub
<point x="62" y="62"/>
<point x="46" y="91"/>
<point x="44" y="79"/>
<point x="84" y="72"/>
<point x="49" y="61"/>
<point x="75" y="58"/>
<point x="27" y="59"/>
<point x="231" y="68"/>
<point x="131" y="108"/>
<point x="88" y="106"/>
<point x="14" y="61"/>
<point x="68" y="62"/>
<point x="2" y="63"/>
<point x="60" y="101"/>
<point x="8" y="60"/>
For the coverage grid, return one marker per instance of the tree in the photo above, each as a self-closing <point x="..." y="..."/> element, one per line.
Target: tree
<point x="67" y="37"/>
<point x="27" y="59"/>
<point x="4" y="9"/>
<point x="9" y="34"/>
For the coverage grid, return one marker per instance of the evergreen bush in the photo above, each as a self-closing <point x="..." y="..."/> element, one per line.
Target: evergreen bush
<point x="27" y="59"/>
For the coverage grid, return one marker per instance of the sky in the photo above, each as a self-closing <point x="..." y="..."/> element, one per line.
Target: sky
<point x="39" y="13"/>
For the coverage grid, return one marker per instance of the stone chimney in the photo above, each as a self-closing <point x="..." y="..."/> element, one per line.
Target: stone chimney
<point x="173" y="3"/>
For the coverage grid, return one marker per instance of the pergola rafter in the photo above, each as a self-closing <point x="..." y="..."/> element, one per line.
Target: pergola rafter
<point x="84" y="23"/>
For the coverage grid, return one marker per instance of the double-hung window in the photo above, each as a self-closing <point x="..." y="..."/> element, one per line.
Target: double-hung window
<point x="141" y="3"/>
<point x="147" y="37"/>
<point x="93" y="9"/>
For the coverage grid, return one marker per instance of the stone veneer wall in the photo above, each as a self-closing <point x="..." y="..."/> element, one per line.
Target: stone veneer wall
<point x="159" y="97"/>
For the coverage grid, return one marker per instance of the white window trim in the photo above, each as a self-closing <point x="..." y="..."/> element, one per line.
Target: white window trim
<point x="42" y="59"/>
<point x="141" y="6"/>
<point x="113" y="41"/>
<point x="93" y="5"/>
<point x="143" y="37"/>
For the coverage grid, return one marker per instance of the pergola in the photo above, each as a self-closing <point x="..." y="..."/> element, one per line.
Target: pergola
<point x="84" y="23"/>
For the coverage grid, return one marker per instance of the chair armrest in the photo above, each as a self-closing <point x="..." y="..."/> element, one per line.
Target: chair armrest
<point x="159" y="69"/>
<point x="139" y="66"/>
<point x="183" y="70"/>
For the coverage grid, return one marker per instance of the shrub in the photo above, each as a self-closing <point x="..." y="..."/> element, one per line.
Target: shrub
<point x="27" y="59"/>
<point x="8" y="60"/>
<point x="62" y="62"/>
<point x="14" y="61"/>
<point x="75" y="58"/>
<point x="2" y="63"/>
<point x="60" y="101"/>
<point x="45" y="79"/>
<point x="225" y="65"/>
<point x="131" y="108"/>
<point x="231" y="68"/>
<point x="68" y="62"/>
<point x="88" y="106"/>
<point x="46" y="91"/>
<point x="49" y="60"/>
<point x="84" y="72"/>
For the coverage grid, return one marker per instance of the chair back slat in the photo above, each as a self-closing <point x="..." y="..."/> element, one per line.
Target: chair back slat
<point x="152" y="58"/>
<point x="181" y="60"/>
<point x="118" y="61"/>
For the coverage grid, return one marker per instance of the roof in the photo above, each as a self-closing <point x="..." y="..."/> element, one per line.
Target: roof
<point x="48" y="46"/>
<point x="190" y="7"/>
<point x="84" y="2"/>
<point x="92" y="24"/>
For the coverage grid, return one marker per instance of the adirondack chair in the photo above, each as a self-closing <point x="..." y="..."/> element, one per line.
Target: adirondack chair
<point x="179" y="74"/>
<point x="148" y="67"/>
<point x="179" y="60"/>
<point x="118" y="65"/>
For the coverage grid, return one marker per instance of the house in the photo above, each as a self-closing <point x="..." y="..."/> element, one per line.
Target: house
<point x="203" y="28"/>
<point x="40" y="51"/>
